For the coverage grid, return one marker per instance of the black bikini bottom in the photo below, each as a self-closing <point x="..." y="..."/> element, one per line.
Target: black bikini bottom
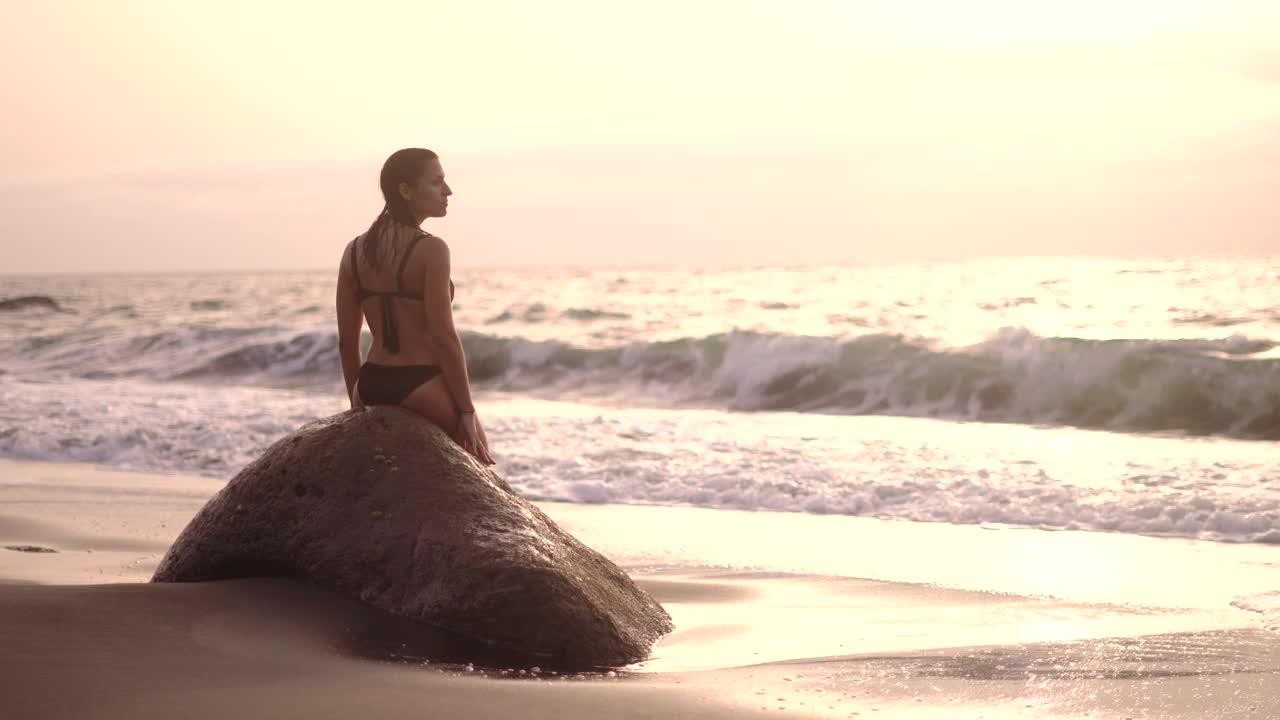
<point x="391" y="384"/>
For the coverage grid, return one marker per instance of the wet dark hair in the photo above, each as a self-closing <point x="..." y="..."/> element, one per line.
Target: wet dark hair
<point x="404" y="166"/>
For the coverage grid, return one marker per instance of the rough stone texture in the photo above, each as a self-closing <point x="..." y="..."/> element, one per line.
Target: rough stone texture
<point x="381" y="505"/>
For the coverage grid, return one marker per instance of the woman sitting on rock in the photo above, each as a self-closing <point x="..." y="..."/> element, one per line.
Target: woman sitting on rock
<point x="396" y="276"/>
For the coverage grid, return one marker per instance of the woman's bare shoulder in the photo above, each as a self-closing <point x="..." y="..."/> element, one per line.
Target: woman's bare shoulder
<point x="433" y="246"/>
<point x="348" y="252"/>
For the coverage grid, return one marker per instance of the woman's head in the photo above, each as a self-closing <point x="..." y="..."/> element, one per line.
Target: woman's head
<point x="413" y="189"/>
<point x="413" y="186"/>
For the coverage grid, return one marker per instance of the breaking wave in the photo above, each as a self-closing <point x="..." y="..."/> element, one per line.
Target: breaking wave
<point x="1219" y="387"/>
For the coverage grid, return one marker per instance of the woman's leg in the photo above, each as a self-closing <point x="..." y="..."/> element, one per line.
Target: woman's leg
<point x="433" y="401"/>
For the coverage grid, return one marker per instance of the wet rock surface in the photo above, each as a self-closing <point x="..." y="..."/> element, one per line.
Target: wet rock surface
<point x="381" y="505"/>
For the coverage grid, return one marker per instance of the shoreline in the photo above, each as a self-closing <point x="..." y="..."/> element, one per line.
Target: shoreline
<point x="821" y="616"/>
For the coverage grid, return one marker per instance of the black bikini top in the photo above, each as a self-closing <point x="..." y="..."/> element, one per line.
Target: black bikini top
<point x="390" y="331"/>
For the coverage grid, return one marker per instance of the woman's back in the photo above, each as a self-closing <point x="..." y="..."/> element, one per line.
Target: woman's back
<point x="390" y="291"/>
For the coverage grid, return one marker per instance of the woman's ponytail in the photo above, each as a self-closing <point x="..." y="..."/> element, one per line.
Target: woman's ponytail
<point x="403" y="166"/>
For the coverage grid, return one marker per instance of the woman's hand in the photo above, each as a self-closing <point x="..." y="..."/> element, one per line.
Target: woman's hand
<point x="473" y="438"/>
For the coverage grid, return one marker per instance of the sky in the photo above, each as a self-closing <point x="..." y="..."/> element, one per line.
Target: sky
<point x="152" y="135"/>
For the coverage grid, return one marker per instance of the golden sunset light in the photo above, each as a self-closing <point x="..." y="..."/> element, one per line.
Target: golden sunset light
<point x="579" y="359"/>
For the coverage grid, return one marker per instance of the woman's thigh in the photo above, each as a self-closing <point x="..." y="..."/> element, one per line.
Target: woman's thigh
<point x="433" y="401"/>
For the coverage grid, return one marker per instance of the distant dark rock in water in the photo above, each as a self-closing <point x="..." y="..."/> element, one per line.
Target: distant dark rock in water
<point x="32" y="301"/>
<point x="29" y="549"/>
<point x="208" y="305"/>
<point x="379" y="504"/>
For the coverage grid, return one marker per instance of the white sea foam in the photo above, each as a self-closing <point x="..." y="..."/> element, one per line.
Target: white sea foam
<point x="1268" y="604"/>
<point x="150" y="426"/>
<point x="906" y="468"/>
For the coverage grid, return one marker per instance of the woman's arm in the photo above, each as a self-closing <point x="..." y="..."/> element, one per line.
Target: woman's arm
<point x="350" y="322"/>
<point x="442" y="335"/>
<point x="437" y="302"/>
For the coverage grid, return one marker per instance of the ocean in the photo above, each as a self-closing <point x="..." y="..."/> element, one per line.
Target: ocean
<point x="1136" y="396"/>
<point x="1004" y="488"/>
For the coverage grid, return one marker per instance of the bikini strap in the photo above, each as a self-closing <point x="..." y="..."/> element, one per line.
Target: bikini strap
<point x="404" y="263"/>
<point x="355" y="269"/>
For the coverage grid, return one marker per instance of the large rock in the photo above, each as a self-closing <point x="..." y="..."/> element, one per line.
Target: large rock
<point x="380" y="504"/>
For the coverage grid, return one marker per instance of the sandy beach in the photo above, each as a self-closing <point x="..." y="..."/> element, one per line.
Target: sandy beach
<point x="774" y="612"/>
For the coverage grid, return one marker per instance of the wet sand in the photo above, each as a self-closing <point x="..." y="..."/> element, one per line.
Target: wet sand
<point x="812" y="616"/>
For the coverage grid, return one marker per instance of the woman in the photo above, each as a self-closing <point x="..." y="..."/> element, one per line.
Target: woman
<point x="396" y="276"/>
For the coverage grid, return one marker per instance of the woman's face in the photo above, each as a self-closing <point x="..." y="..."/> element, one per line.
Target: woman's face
<point x="429" y="197"/>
